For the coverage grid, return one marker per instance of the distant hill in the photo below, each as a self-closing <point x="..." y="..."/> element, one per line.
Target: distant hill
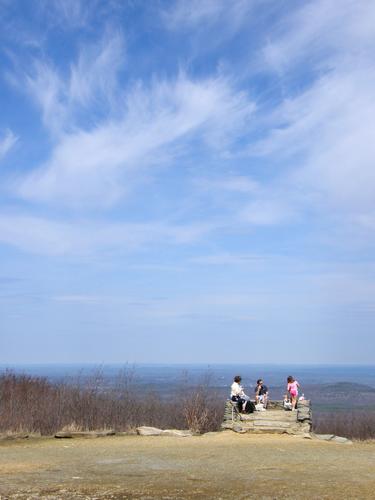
<point x="342" y="388"/>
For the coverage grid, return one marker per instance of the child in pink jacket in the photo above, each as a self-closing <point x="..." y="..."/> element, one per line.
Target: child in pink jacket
<point x="292" y="389"/>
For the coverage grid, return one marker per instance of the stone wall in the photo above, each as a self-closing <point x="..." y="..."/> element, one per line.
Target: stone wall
<point x="274" y="420"/>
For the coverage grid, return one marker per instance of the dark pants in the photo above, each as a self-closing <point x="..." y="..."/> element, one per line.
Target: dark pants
<point x="242" y="403"/>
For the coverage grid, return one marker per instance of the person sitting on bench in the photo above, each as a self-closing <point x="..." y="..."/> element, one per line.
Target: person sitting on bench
<point x="261" y="393"/>
<point x="237" y="394"/>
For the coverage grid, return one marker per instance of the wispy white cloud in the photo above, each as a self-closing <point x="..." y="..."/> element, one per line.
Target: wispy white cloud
<point x="247" y="202"/>
<point x="204" y="12"/>
<point x="96" y="164"/>
<point x="327" y="135"/>
<point x="267" y="212"/>
<point x="106" y="299"/>
<point x="7" y="141"/>
<point x="46" y="236"/>
<point x="48" y="92"/>
<point x="95" y="75"/>
<point x="89" y="87"/>
<point x="324" y="34"/>
<point x="350" y="286"/>
<point x="228" y="259"/>
<point x="234" y="183"/>
<point x="220" y="305"/>
<point x="68" y="14"/>
<point x="80" y="299"/>
<point x="324" y="132"/>
<point x="192" y="13"/>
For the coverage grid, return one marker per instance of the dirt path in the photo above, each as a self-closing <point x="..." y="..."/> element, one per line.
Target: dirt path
<point x="223" y="465"/>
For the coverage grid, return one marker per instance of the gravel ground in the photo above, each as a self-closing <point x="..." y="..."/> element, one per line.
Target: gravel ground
<point x="219" y="465"/>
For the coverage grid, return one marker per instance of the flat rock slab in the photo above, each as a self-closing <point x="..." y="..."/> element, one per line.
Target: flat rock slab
<point x="271" y="415"/>
<point x="149" y="431"/>
<point x="84" y="434"/>
<point x="177" y="433"/>
<point x="14" y="436"/>
<point x="271" y="423"/>
<point x="342" y="440"/>
<point x="324" y="437"/>
<point x="153" y="431"/>
<point x="333" y="438"/>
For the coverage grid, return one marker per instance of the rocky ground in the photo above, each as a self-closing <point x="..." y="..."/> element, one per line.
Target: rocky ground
<point x="219" y="465"/>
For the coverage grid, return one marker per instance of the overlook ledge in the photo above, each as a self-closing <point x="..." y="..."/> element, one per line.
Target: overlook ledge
<point x="274" y="420"/>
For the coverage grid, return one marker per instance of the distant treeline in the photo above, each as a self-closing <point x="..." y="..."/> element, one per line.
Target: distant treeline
<point x="36" y="405"/>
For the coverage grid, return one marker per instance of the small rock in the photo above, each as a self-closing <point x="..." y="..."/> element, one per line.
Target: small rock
<point x="303" y="435"/>
<point x="239" y="429"/>
<point x="227" y="425"/>
<point x="303" y="418"/>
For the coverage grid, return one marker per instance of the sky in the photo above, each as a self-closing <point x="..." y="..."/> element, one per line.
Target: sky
<point x="187" y="182"/>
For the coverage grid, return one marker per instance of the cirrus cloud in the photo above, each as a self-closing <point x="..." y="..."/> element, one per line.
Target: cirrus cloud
<point x="7" y="141"/>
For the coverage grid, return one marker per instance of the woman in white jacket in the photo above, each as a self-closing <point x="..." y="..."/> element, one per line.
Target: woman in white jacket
<point x="237" y="393"/>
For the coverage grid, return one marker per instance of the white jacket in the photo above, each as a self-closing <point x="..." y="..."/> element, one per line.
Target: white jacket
<point x="237" y="390"/>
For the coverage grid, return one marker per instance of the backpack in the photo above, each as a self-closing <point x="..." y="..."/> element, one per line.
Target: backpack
<point x="250" y="407"/>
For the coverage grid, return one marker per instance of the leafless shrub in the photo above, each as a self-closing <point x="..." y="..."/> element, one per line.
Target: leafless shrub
<point x="34" y="405"/>
<point x="72" y="427"/>
<point x="353" y="425"/>
<point x="196" y="412"/>
<point x="203" y="408"/>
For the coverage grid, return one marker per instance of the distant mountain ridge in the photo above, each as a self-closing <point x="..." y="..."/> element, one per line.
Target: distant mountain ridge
<point x="344" y="387"/>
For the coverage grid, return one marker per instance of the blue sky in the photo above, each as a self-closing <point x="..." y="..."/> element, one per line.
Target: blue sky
<point x="187" y="181"/>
